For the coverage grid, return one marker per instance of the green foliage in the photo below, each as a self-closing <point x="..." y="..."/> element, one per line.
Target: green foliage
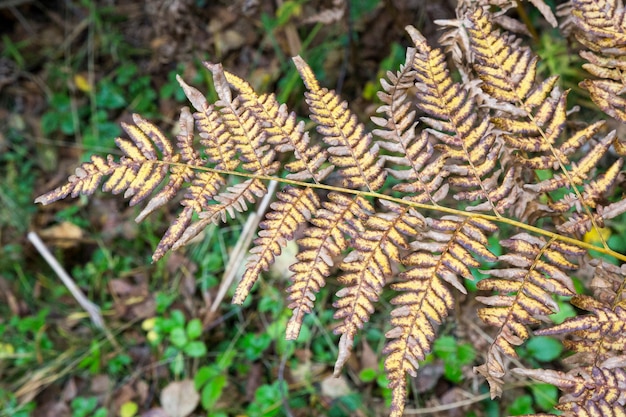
<point x="543" y="348"/>
<point x="87" y="407"/>
<point x="119" y="364"/>
<point x="378" y="376"/>
<point x="24" y="339"/>
<point x="171" y="89"/>
<point x="557" y="58"/>
<point x="18" y="180"/>
<point x="182" y="337"/>
<point x="93" y="359"/>
<point x="565" y="311"/>
<point x="454" y="356"/>
<point x="253" y="345"/>
<point x="10" y="406"/>
<point x="267" y="400"/>
<point x="210" y="380"/>
<point x="521" y="405"/>
<point x="546" y="396"/>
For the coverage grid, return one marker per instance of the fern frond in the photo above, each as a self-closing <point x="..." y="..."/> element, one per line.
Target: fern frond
<point x="231" y="132"/>
<point x="605" y="19"/>
<point x="608" y="282"/>
<point x="469" y="144"/>
<point x="591" y="408"/>
<point x="351" y="147"/>
<point x="247" y="134"/>
<point x="608" y="96"/>
<point x="425" y="299"/>
<point x="599" y="335"/>
<point x="339" y="219"/>
<point x="593" y="192"/>
<point x="481" y="141"/>
<point x="284" y="132"/>
<point x="591" y="391"/>
<point x="234" y="199"/>
<point x="179" y="174"/>
<point x="214" y="136"/>
<point x="536" y="273"/>
<point x="205" y="186"/>
<point x="508" y="73"/>
<point x="424" y="175"/>
<point x="293" y="208"/>
<point x="580" y="170"/>
<point x="598" y="381"/>
<point x="602" y="29"/>
<point x="368" y="267"/>
<point x="139" y="172"/>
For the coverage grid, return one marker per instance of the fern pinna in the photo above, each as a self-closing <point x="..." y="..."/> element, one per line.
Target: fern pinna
<point x="481" y="142"/>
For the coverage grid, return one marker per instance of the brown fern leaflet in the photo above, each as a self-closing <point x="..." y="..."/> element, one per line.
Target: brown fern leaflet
<point x="602" y="29"/>
<point x="464" y="159"/>
<point x="339" y="221"/>
<point x="597" y="385"/>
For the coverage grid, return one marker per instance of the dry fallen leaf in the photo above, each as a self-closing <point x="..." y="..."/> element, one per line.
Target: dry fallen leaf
<point x="335" y="387"/>
<point x="369" y="359"/>
<point x="65" y="234"/>
<point x="179" y="398"/>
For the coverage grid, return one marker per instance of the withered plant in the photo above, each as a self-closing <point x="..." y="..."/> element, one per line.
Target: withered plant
<point x="464" y="158"/>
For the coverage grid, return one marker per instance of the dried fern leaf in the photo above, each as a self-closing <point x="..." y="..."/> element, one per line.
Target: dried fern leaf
<point x="526" y="290"/>
<point x="598" y="336"/>
<point x="137" y="173"/>
<point x="367" y="268"/>
<point x="607" y="281"/>
<point x="602" y="29"/>
<point x="351" y="149"/>
<point x="468" y="143"/>
<point x="593" y="191"/>
<point x="508" y="73"/>
<point x="480" y="141"/>
<point x="293" y="208"/>
<point x="214" y="136"/>
<point x="592" y="391"/>
<point x="247" y="134"/>
<point x="284" y="132"/>
<point x="423" y="174"/>
<point x="591" y="408"/>
<point x="579" y="171"/>
<point x="234" y="199"/>
<point x="424" y="299"/>
<point x="220" y="151"/>
<point x="608" y="96"/>
<point x="179" y="174"/>
<point x="335" y="224"/>
<point x="604" y="19"/>
<point x="204" y="187"/>
<point x="232" y="132"/>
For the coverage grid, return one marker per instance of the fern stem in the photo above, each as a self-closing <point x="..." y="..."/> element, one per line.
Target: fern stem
<point x="423" y="206"/>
